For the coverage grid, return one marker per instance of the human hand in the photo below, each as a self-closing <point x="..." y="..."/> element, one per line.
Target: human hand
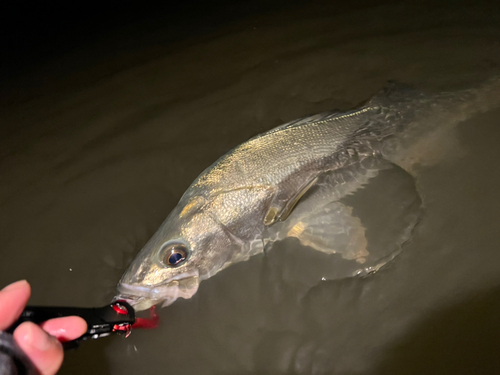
<point x="40" y="343"/>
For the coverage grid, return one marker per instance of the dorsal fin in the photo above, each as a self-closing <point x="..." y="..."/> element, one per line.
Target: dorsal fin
<point x="395" y="92"/>
<point x="323" y="116"/>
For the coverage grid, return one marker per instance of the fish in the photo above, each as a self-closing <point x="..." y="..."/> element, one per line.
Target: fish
<point x="287" y="182"/>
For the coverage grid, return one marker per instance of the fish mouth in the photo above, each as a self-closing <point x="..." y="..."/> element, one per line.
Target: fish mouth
<point x="142" y="297"/>
<point x="137" y="296"/>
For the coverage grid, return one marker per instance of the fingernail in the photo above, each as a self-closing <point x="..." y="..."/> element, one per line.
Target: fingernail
<point x="37" y="338"/>
<point x="14" y="286"/>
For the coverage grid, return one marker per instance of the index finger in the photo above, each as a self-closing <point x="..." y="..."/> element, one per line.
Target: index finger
<point x="13" y="298"/>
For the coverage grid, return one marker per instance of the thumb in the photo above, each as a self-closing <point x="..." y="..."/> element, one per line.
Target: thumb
<point x="45" y="351"/>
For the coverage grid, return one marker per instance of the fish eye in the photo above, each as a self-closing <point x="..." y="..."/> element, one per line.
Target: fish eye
<point x="175" y="254"/>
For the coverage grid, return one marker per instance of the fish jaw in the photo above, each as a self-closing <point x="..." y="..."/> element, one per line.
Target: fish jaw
<point x="142" y="297"/>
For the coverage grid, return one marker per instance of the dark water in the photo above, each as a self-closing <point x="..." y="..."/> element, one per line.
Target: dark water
<point x="99" y="142"/>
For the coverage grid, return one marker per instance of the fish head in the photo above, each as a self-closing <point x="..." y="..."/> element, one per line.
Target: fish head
<point x="191" y="245"/>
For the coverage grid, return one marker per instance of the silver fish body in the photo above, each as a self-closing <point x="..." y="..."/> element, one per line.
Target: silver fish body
<point x="230" y="211"/>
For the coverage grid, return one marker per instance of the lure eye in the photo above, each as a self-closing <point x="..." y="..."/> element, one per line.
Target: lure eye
<point x="175" y="255"/>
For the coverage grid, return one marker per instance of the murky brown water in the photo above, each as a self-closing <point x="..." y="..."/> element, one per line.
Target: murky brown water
<point x="94" y="155"/>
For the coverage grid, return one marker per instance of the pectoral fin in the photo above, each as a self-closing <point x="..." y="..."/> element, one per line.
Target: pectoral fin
<point x="271" y="216"/>
<point x="293" y="202"/>
<point x="274" y="214"/>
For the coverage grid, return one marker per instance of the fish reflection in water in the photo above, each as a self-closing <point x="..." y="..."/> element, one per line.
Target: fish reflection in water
<point x="292" y="181"/>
